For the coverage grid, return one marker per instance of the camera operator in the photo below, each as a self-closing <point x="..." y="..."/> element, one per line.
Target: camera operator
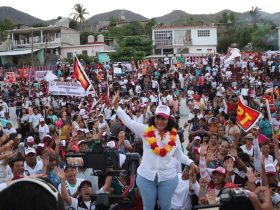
<point x="84" y="193"/>
<point x="86" y="173"/>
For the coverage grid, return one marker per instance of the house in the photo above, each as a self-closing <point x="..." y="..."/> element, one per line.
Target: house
<point x="92" y="48"/>
<point x="193" y="40"/>
<point x="37" y="46"/>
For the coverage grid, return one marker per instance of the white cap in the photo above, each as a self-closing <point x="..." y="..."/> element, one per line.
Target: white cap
<point x="81" y="141"/>
<point x="30" y="140"/>
<point x="270" y="169"/>
<point x="42" y="119"/>
<point x="163" y="111"/>
<point x="63" y="143"/>
<point x="41" y="145"/>
<point x="111" y="144"/>
<point x="196" y="138"/>
<point x="29" y="150"/>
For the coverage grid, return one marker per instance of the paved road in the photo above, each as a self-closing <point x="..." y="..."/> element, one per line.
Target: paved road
<point x="184" y="111"/>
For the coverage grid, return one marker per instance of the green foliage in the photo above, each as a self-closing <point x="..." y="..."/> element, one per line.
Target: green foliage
<point x="37" y="25"/>
<point x="79" y="13"/>
<point x="113" y="21"/>
<point x="6" y="24"/>
<point x="73" y="24"/>
<point x="87" y="59"/>
<point x="134" y="40"/>
<point x="84" y="36"/>
<point x="133" y="46"/>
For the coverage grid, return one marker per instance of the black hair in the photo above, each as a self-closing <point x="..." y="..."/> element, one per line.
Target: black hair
<point x="233" y="120"/>
<point x="171" y="123"/>
<point x="29" y="196"/>
<point x="16" y="159"/>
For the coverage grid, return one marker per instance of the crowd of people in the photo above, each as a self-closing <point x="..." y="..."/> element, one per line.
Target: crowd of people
<point x="142" y="115"/>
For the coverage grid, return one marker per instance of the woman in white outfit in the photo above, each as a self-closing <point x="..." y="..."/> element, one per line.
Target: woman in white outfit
<point x="156" y="175"/>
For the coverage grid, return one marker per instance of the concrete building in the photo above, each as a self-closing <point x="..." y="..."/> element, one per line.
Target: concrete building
<point x="184" y="40"/>
<point x="44" y="43"/>
<point x="94" y="47"/>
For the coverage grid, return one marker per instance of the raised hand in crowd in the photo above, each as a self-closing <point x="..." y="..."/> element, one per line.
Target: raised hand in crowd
<point x="261" y="198"/>
<point x="115" y="100"/>
<point x="203" y="149"/>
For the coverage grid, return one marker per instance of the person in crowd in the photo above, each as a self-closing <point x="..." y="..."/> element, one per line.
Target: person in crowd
<point x="150" y="180"/>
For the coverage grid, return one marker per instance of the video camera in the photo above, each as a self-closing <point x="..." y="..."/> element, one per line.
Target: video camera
<point x="104" y="160"/>
<point x="230" y="199"/>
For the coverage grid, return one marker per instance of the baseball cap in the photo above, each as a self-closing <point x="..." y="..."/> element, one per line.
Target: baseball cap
<point x="270" y="169"/>
<point x="249" y="136"/>
<point x="163" y="111"/>
<point x="84" y="183"/>
<point x="220" y="170"/>
<point x="197" y="138"/>
<point x="111" y="144"/>
<point x="81" y="141"/>
<point x="63" y="143"/>
<point x="42" y="119"/>
<point x="41" y="145"/>
<point x="229" y="156"/>
<point x="29" y="150"/>
<point x="30" y="140"/>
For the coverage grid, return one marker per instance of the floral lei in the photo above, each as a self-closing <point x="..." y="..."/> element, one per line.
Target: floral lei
<point x="152" y="137"/>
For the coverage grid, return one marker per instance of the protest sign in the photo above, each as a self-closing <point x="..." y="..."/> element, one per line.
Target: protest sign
<point x="66" y="89"/>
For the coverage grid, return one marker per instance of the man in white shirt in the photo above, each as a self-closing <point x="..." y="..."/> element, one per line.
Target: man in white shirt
<point x="34" y="119"/>
<point x="187" y="186"/>
<point x="43" y="129"/>
<point x="31" y="164"/>
<point x="9" y="129"/>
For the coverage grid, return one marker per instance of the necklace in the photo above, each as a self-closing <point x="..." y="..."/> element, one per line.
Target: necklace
<point x="158" y="143"/>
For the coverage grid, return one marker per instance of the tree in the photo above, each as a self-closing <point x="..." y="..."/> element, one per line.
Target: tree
<point x="5" y="24"/>
<point x="37" y="25"/>
<point x="136" y="46"/>
<point x="254" y="12"/>
<point x="149" y="26"/>
<point x="79" y="13"/>
<point x="113" y="21"/>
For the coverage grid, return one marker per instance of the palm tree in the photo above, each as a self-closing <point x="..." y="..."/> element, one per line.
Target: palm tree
<point x="255" y="15"/>
<point x="79" y="13"/>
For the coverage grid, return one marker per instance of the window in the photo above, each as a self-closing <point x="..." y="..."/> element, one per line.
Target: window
<point x="198" y="49"/>
<point x="69" y="55"/>
<point x="84" y="52"/>
<point x="203" y="33"/>
<point x="182" y="37"/>
<point x="157" y="51"/>
<point x="163" y="38"/>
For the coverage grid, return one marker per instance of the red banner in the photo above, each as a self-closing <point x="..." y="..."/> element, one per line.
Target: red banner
<point x="22" y="73"/>
<point x="10" y="77"/>
<point x="246" y="116"/>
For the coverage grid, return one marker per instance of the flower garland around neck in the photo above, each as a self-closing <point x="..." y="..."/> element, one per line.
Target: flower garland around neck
<point x="152" y="137"/>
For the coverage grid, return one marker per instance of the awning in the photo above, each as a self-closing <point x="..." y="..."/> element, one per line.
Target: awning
<point x="17" y="52"/>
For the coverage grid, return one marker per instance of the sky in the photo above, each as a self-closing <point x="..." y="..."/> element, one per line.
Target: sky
<point x="50" y="9"/>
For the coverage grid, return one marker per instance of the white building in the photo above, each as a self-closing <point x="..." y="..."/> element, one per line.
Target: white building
<point x="184" y="40"/>
<point x="92" y="48"/>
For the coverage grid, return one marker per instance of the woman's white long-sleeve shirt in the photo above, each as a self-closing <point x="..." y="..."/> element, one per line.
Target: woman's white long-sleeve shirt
<point x="152" y="164"/>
